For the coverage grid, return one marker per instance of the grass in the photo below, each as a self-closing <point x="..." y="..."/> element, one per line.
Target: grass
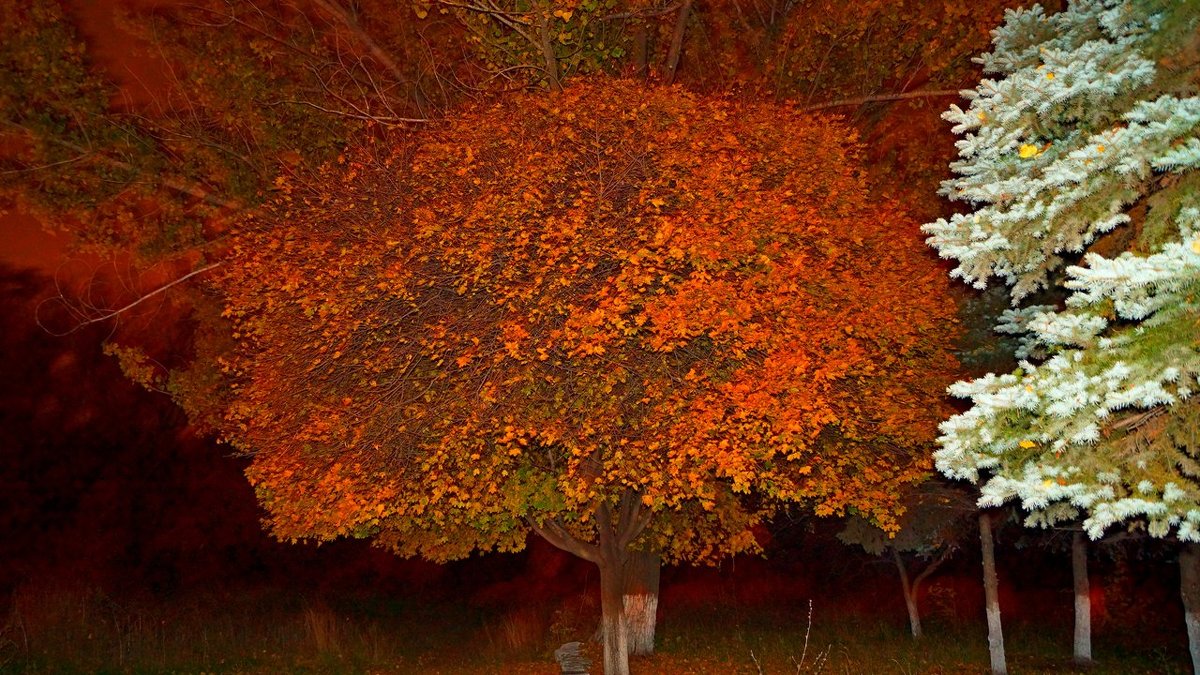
<point x="80" y="630"/>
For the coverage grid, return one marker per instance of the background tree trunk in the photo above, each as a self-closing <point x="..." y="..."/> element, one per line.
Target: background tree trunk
<point x="640" y="600"/>
<point x="641" y="50"/>
<point x="612" y="618"/>
<point x="1083" y="600"/>
<point x="910" y="599"/>
<point x="676" y="50"/>
<point x="991" y="592"/>
<point x="1189" y="588"/>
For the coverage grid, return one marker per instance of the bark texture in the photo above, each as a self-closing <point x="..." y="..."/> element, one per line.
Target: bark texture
<point x="910" y="596"/>
<point x="1189" y="588"/>
<point x="640" y="601"/>
<point x="991" y="592"/>
<point x="1083" y="600"/>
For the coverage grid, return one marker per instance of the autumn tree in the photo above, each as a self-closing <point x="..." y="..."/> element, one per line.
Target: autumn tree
<point x="1080" y="158"/>
<point x="624" y="319"/>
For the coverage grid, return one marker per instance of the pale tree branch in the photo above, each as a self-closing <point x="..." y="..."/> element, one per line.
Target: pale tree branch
<point x="846" y="102"/>
<point x="85" y="320"/>
<point x="383" y="119"/>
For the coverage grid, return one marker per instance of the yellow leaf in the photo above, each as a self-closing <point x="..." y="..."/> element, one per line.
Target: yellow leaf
<point x="1026" y="151"/>
<point x="1027" y="444"/>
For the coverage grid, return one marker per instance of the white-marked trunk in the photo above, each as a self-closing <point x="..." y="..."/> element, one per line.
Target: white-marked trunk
<point x="1189" y="589"/>
<point x="991" y="593"/>
<point x="640" y="600"/>
<point x="612" y="618"/>
<point x="910" y="595"/>
<point x="1083" y="600"/>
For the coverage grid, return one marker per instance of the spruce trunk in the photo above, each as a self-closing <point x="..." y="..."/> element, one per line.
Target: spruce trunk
<point x="1083" y="600"/>
<point x="1189" y="589"/>
<point x="910" y="596"/>
<point x="991" y="592"/>
<point x="640" y="600"/>
<point x="612" y="618"/>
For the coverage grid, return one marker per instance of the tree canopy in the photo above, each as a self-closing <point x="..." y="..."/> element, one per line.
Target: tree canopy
<point x="556" y="305"/>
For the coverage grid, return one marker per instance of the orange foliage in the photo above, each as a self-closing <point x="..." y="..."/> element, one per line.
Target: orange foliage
<point x="554" y="302"/>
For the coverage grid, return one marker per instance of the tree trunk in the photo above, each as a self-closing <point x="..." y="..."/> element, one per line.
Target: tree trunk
<point x="1083" y="600"/>
<point x="546" y="44"/>
<point x="991" y="592"/>
<point x="641" y="50"/>
<point x="676" y="50"/>
<point x="1189" y="589"/>
<point x="612" y="618"/>
<point x="640" y="600"/>
<point x="910" y="599"/>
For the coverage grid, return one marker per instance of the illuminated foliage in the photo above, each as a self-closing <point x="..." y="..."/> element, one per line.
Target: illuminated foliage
<point x="620" y="317"/>
<point x="1091" y="126"/>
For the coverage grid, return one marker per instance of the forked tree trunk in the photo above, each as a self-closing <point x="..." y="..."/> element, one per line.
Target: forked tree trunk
<point x="640" y="600"/>
<point x="1083" y="600"/>
<point x="1189" y="589"/>
<point x="991" y="593"/>
<point x="610" y="551"/>
<point x="910" y="599"/>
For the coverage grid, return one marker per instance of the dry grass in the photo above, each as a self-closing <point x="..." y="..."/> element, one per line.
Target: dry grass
<point x="51" y="629"/>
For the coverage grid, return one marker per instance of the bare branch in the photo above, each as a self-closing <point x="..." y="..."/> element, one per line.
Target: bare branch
<point x="104" y="316"/>
<point x="383" y="119"/>
<point x="845" y="102"/>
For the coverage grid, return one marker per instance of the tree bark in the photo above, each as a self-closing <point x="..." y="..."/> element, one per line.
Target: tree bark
<point x="910" y="600"/>
<point x="612" y="617"/>
<point x="615" y="531"/>
<point x="546" y="44"/>
<point x="991" y="592"/>
<point x="641" y="50"/>
<point x="676" y="50"/>
<point x="1083" y="600"/>
<point x="1189" y="589"/>
<point x="640" y="600"/>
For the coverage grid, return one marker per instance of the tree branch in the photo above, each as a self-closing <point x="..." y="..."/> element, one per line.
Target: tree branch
<point x="932" y="567"/>
<point x="559" y="537"/>
<point x="104" y="316"/>
<point x="844" y="102"/>
<point x="382" y="119"/>
<point x="373" y="47"/>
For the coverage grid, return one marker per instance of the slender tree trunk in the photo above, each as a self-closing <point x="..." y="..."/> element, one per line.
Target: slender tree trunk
<point x="612" y="617"/>
<point x="910" y="599"/>
<point x="673" y="55"/>
<point x="991" y="592"/>
<point x="546" y="44"/>
<point x="1083" y="600"/>
<point x="641" y="50"/>
<point x="1189" y="589"/>
<point x="640" y="600"/>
